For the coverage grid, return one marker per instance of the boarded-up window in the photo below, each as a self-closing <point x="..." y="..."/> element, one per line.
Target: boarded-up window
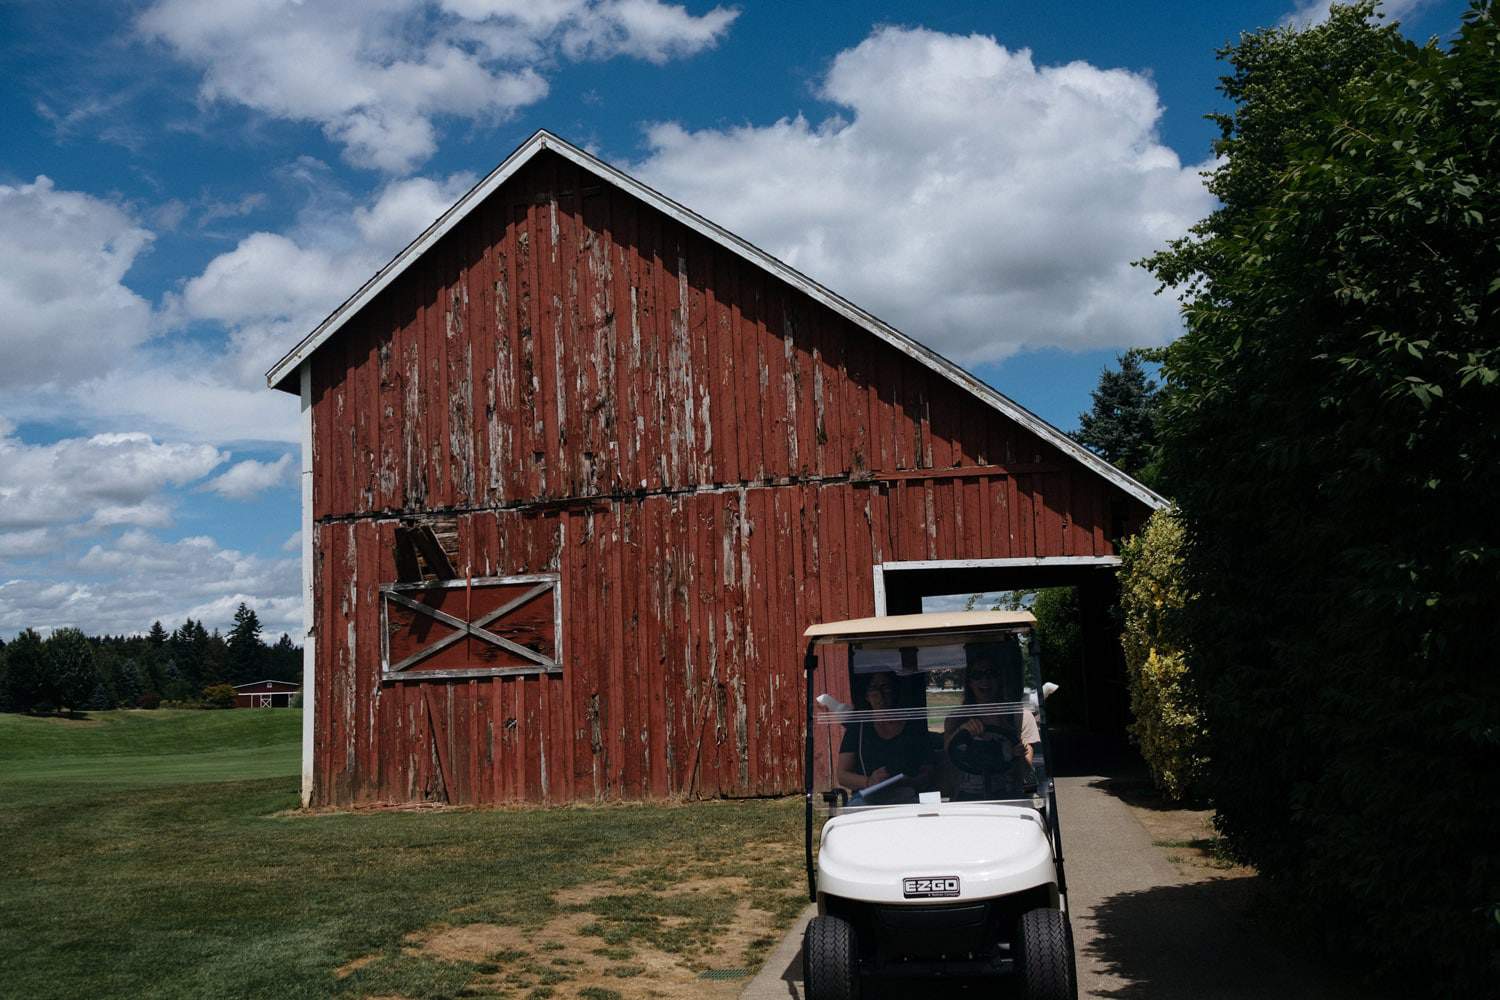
<point x="484" y="627"/>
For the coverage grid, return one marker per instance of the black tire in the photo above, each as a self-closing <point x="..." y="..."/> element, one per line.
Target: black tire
<point x="1044" y="956"/>
<point x="830" y="962"/>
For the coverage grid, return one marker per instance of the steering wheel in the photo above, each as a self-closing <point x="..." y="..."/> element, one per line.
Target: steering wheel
<point x="982" y="754"/>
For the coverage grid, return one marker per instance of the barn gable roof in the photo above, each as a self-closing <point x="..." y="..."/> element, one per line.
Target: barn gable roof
<point x="281" y="375"/>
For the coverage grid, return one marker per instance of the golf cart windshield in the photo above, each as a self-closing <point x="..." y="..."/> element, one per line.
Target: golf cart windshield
<point x="929" y="714"/>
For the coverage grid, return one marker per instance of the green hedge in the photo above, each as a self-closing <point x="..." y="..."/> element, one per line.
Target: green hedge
<point x="1331" y="435"/>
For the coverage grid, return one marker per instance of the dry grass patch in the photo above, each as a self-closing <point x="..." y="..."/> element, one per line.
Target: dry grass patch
<point x="632" y="933"/>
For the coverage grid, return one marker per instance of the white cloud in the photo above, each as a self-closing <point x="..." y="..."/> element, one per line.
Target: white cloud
<point x="244" y="480"/>
<point x="977" y="201"/>
<point x="644" y="29"/>
<point x="273" y="288"/>
<point x="1310" y="12"/>
<point x="32" y="542"/>
<point x="104" y="480"/>
<point x="293" y="542"/>
<point x="267" y="293"/>
<point x="233" y="287"/>
<point x="140" y="577"/>
<point x="44" y="606"/>
<point x="404" y="209"/>
<point x="224" y="400"/>
<point x="147" y="514"/>
<point x="64" y="311"/>
<point x="376" y="74"/>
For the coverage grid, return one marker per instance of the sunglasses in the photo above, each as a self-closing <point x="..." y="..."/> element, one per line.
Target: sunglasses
<point x="983" y="675"/>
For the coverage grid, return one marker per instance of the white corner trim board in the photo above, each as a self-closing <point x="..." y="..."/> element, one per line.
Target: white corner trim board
<point x="309" y="651"/>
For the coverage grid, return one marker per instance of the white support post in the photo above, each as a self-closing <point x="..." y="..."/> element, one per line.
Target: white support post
<point x="309" y="652"/>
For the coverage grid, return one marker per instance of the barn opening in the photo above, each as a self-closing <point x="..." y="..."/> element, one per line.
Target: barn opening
<point x="1089" y="666"/>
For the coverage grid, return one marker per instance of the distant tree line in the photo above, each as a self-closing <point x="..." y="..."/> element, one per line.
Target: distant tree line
<point x="68" y="670"/>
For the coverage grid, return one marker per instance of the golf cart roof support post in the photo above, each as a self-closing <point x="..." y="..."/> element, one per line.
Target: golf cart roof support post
<point x="809" y="666"/>
<point x="1052" y="819"/>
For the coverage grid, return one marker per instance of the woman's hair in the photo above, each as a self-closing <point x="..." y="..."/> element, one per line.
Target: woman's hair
<point x="969" y="691"/>
<point x="989" y="653"/>
<point x="863" y="696"/>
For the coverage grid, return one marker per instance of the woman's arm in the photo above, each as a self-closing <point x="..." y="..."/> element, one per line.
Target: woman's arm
<point x="952" y="727"/>
<point x="850" y="778"/>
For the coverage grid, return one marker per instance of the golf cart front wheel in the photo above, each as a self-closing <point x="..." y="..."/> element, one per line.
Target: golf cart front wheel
<point x="830" y="963"/>
<point x="1044" y="956"/>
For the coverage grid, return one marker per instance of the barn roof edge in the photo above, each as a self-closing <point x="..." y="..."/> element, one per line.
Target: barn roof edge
<point x="281" y="374"/>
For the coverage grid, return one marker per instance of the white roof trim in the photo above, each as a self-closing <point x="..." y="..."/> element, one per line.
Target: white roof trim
<point x="282" y="371"/>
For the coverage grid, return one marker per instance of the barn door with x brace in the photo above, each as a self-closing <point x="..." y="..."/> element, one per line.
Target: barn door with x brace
<point x="481" y="627"/>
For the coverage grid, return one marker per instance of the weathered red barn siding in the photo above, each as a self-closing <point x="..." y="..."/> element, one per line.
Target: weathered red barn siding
<point x="708" y="458"/>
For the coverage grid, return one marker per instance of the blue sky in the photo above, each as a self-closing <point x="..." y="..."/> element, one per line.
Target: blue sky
<point x="186" y="189"/>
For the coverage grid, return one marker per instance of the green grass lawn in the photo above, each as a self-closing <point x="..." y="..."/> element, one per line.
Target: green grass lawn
<point x="132" y="867"/>
<point x="134" y="749"/>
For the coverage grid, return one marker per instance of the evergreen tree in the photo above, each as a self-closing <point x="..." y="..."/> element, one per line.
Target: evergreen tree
<point x="1120" y="427"/>
<point x="191" y="648"/>
<point x="125" y="681"/>
<point x="158" y="635"/>
<point x="286" y="660"/>
<point x="215" y="658"/>
<point x="246" y="651"/>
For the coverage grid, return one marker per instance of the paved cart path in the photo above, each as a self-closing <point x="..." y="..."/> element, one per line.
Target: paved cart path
<point x="1142" y="928"/>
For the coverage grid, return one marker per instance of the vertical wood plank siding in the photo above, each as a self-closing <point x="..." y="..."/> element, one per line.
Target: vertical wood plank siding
<point x="710" y="461"/>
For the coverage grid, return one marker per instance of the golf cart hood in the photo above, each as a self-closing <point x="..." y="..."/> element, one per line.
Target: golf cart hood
<point x="992" y="849"/>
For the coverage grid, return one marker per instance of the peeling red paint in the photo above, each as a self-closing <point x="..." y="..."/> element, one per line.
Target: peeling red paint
<point x="710" y="461"/>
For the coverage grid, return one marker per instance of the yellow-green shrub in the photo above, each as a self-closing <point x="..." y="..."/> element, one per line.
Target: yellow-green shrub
<point x="1168" y="724"/>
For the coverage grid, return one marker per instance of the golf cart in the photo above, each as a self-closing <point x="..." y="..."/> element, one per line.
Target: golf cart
<point x="940" y="853"/>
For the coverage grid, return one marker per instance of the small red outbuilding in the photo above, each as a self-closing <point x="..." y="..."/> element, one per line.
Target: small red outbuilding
<point x="265" y="694"/>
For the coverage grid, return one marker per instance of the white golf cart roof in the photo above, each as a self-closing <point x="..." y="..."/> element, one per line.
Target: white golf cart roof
<point x="929" y="624"/>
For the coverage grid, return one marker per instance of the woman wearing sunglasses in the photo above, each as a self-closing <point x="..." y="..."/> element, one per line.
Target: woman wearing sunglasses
<point x="987" y="681"/>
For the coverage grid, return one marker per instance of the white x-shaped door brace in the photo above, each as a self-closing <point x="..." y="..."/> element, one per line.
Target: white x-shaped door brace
<point x="476" y="628"/>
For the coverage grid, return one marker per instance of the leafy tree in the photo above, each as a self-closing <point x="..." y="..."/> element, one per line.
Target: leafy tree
<point x="71" y="677"/>
<point x="1059" y="626"/>
<point x="25" y="671"/>
<point x="1120" y="427"/>
<point x="218" y="696"/>
<point x="1330" y="429"/>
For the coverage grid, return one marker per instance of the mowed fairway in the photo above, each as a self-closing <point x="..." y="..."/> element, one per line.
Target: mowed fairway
<point x="135" y="865"/>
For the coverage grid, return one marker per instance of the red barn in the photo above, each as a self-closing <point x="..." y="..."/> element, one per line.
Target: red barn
<point x="265" y="694"/>
<point x="578" y="468"/>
